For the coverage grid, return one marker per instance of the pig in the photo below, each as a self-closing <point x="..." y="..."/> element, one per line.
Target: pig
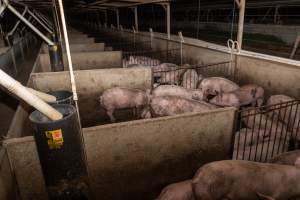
<point x="216" y="85"/>
<point x="248" y="137"/>
<point x="245" y="95"/>
<point x="226" y="100"/>
<point x="290" y="115"/>
<point x="255" y="119"/>
<point x="287" y="158"/>
<point x="172" y="77"/>
<point x="262" y="150"/>
<point x="250" y="94"/>
<point x="178" y="191"/>
<point x="173" y="90"/>
<point x="143" y="60"/>
<point x="158" y="70"/>
<point x="118" y="98"/>
<point x="190" y="79"/>
<point x="246" y="180"/>
<point x="169" y="106"/>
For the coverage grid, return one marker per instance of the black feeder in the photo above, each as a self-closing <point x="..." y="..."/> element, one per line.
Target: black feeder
<point x="61" y="154"/>
<point x="56" y="59"/>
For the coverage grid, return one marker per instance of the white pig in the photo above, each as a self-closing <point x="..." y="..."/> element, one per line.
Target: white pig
<point x="287" y="158"/>
<point x="260" y="150"/>
<point x="226" y="99"/>
<point x="290" y="114"/>
<point x="247" y="137"/>
<point x="178" y="191"/>
<point x="173" y="90"/>
<point x="250" y="94"/>
<point x="171" y="77"/>
<point x="216" y="85"/>
<point x="170" y="106"/>
<point x="256" y="119"/>
<point x="245" y="180"/>
<point x="190" y="79"/>
<point x="158" y="70"/>
<point x="118" y="98"/>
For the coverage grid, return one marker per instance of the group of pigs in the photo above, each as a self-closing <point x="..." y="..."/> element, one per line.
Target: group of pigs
<point x="268" y="131"/>
<point x="168" y="100"/>
<point x="241" y="180"/>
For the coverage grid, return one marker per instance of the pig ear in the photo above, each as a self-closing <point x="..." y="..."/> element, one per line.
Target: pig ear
<point x="264" y="197"/>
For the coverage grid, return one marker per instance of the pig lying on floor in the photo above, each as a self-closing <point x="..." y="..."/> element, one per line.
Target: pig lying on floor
<point x="245" y="180"/>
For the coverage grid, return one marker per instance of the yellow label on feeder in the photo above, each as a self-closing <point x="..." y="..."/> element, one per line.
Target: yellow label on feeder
<point x="55" y="139"/>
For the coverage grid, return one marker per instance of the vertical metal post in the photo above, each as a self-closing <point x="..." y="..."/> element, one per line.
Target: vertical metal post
<point x="181" y="47"/>
<point x="168" y="10"/>
<point x="151" y="38"/>
<point x="136" y="22"/>
<point x="105" y="17"/>
<point x="242" y="5"/>
<point x="118" y="18"/>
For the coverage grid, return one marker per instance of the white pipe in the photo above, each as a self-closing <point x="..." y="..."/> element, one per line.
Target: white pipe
<point x="136" y="19"/>
<point x="242" y="6"/>
<point x="13" y="10"/>
<point x="44" y="96"/>
<point x="20" y="91"/>
<point x="64" y="28"/>
<point x="168" y="10"/>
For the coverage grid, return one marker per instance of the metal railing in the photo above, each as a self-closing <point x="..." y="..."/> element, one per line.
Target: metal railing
<point x="267" y="131"/>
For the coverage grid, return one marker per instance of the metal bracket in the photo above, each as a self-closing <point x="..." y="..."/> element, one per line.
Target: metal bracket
<point x="17" y="24"/>
<point x="29" y="24"/>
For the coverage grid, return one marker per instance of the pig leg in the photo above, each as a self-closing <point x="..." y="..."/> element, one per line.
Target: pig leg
<point x="111" y="116"/>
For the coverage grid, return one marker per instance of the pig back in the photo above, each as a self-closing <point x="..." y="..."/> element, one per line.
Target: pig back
<point x="170" y="105"/>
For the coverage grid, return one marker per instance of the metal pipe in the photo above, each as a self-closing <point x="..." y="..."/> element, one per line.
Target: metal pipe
<point x="44" y="19"/>
<point x="242" y="5"/>
<point x="73" y="83"/>
<point x="20" y="91"/>
<point x="136" y="19"/>
<point x="17" y="24"/>
<point x="118" y="18"/>
<point x="13" y="10"/>
<point x="168" y="10"/>
<point x="39" y="21"/>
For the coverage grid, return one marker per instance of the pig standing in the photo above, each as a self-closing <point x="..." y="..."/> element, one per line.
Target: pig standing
<point x="118" y="98"/>
<point x="173" y="90"/>
<point x="290" y="114"/>
<point x="178" y="191"/>
<point x="245" y="180"/>
<point x="190" y="79"/>
<point x="216" y="85"/>
<point x="170" y="106"/>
